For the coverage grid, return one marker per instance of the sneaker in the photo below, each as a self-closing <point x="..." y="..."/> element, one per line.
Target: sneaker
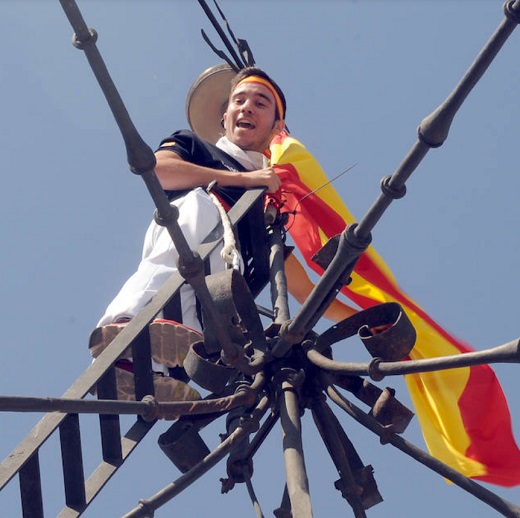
<point x="166" y="388"/>
<point x="170" y="342"/>
<point x="101" y="337"/>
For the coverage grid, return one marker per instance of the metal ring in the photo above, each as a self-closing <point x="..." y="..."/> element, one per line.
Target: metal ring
<point x="373" y="370"/>
<point x="152" y="410"/>
<point x="392" y="192"/>
<point x="511" y="13"/>
<point x="166" y="219"/>
<point x="82" y="44"/>
<point x="358" y="242"/>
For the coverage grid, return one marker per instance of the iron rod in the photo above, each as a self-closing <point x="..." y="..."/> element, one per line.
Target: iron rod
<point x="147" y="507"/>
<point x="278" y="279"/>
<point x="144" y="408"/>
<point x="377" y="370"/>
<point x="252" y="494"/>
<point x="223" y="37"/>
<point x="327" y="426"/>
<point x="297" y="482"/>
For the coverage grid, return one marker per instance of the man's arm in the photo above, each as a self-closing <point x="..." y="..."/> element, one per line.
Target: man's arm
<point x="176" y="174"/>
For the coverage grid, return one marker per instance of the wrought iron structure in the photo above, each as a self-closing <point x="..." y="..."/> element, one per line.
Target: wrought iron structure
<point x="264" y="376"/>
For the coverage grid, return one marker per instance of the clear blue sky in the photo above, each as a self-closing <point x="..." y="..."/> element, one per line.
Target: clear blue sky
<point x="359" y="77"/>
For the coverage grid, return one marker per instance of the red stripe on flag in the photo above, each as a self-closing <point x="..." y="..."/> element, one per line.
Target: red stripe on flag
<point x="486" y="418"/>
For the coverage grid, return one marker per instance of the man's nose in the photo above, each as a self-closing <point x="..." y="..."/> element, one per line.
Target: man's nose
<point x="247" y="106"/>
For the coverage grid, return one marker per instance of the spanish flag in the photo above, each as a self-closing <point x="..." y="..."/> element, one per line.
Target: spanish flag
<point x="463" y="413"/>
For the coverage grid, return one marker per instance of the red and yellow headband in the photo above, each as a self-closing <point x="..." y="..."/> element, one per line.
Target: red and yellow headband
<point x="270" y="87"/>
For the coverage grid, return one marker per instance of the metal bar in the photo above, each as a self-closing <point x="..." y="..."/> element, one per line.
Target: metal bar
<point x="262" y="434"/>
<point x="377" y="370"/>
<point x="143" y="375"/>
<point x="148" y="506"/>
<point x="252" y="494"/>
<point x="501" y="505"/>
<point x="72" y="462"/>
<point x="140" y="156"/>
<point x="109" y="424"/>
<point x="435" y="127"/>
<point x="31" y="488"/>
<point x="278" y="280"/>
<point x="309" y="312"/>
<point x="328" y="428"/>
<point x="66" y="406"/>
<point x="433" y="130"/>
<point x="104" y="472"/>
<point x="221" y="33"/>
<point x="148" y="407"/>
<point x="297" y="482"/>
<point x="110" y="431"/>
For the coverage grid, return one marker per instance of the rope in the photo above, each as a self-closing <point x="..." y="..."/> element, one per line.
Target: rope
<point x="229" y="252"/>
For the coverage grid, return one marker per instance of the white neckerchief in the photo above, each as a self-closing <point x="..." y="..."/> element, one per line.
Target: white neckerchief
<point x="251" y="160"/>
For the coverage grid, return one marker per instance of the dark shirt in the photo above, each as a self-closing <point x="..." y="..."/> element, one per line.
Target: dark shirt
<point x="251" y="229"/>
<point x="193" y="149"/>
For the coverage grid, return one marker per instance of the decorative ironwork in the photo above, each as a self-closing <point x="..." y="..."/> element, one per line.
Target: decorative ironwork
<point x="273" y="375"/>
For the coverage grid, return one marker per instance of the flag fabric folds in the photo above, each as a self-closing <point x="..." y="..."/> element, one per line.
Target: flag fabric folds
<point x="463" y="413"/>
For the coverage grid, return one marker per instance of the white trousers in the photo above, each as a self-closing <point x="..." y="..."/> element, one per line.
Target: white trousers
<point x="198" y="216"/>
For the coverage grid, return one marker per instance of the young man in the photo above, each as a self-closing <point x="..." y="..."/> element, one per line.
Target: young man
<point x="186" y="165"/>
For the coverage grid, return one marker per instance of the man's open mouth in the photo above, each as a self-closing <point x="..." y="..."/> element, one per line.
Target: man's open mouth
<point x="245" y="124"/>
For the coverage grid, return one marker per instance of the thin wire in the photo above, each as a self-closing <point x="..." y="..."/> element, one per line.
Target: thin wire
<point x="294" y="212"/>
<point x="329" y="182"/>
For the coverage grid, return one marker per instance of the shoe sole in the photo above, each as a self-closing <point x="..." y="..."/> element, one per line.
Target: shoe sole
<point x="169" y="344"/>
<point x="166" y="388"/>
<point x="101" y="338"/>
<point x="169" y="341"/>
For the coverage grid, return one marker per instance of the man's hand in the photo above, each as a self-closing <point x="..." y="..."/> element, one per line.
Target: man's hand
<point x="264" y="178"/>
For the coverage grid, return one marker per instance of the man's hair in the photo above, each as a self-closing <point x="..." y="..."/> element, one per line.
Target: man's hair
<point x="255" y="71"/>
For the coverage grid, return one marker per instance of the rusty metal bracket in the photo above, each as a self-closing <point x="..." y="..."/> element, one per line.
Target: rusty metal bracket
<point x="395" y="342"/>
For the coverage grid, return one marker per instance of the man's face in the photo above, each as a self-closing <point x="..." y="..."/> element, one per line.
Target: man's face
<point x="250" y="117"/>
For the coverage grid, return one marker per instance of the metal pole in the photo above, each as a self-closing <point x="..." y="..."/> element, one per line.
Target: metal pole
<point x="148" y="408"/>
<point x="279" y="298"/>
<point x="297" y="482"/>
<point x="328" y="427"/>
<point x="377" y="369"/>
